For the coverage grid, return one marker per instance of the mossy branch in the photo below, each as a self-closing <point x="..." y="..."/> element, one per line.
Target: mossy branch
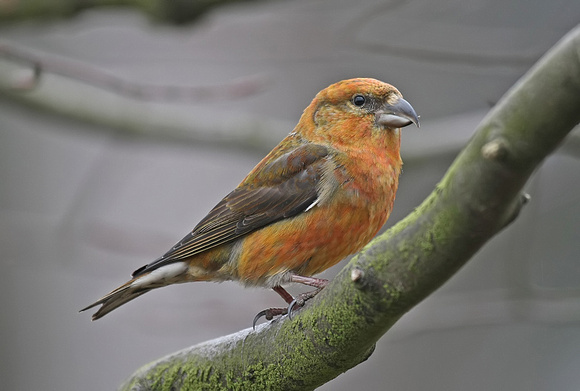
<point x="479" y="195"/>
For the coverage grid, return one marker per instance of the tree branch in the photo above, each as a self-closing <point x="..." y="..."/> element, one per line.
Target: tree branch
<point x="71" y="88"/>
<point x="175" y="11"/>
<point x="479" y="195"/>
<point x="42" y="63"/>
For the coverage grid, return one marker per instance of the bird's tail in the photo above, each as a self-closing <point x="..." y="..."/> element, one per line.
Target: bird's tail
<point x="136" y="287"/>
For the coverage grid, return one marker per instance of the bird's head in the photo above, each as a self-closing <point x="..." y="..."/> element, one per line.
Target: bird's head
<point x="363" y="105"/>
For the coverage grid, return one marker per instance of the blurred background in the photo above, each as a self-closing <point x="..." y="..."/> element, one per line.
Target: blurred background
<point x="95" y="183"/>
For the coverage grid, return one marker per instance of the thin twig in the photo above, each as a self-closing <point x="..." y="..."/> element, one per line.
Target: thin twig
<point x="44" y="63"/>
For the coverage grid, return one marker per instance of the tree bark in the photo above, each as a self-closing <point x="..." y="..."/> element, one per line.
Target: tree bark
<point x="479" y="195"/>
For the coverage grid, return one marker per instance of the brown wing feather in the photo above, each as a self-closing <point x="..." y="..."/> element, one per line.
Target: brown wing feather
<point x="281" y="189"/>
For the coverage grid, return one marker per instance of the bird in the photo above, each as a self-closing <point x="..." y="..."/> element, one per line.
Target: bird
<point x="319" y="196"/>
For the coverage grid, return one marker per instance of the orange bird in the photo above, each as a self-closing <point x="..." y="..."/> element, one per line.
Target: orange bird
<point x="317" y="197"/>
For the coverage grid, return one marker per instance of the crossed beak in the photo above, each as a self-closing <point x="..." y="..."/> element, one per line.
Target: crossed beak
<point x="397" y="115"/>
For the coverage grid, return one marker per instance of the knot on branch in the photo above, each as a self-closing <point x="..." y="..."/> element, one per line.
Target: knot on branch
<point x="496" y="149"/>
<point x="356" y="275"/>
<point x="365" y="280"/>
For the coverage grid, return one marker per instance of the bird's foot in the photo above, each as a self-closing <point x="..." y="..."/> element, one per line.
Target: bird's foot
<point x="295" y="304"/>
<point x="300" y="300"/>
<point x="269" y="314"/>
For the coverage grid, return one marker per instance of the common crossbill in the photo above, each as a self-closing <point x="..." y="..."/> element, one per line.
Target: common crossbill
<point x="317" y="197"/>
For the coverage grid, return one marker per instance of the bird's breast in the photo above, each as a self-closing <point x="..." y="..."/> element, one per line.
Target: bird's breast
<point x="357" y="203"/>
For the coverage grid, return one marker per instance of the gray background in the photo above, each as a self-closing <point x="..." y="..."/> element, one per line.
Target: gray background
<point x="82" y="205"/>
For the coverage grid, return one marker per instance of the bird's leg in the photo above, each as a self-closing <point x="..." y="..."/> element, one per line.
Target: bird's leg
<point x="297" y="302"/>
<point x="302" y="298"/>
<point x="311" y="281"/>
<point x="284" y="294"/>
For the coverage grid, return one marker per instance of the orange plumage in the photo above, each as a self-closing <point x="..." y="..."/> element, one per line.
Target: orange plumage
<point x="318" y="196"/>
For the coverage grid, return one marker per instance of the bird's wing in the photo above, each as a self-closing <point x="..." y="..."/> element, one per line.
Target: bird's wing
<point x="273" y="191"/>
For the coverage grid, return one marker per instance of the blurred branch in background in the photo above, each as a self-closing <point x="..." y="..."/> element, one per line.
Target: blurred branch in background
<point x="174" y="11"/>
<point x="72" y="89"/>
<point x="38" y="65"/>
<point x="480" y="195"/>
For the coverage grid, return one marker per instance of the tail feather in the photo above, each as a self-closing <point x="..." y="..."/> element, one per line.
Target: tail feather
<point x="115" y="299"/>
<point x="136" y="287"/>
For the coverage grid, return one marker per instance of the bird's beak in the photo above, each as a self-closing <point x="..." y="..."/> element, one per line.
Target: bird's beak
<point x="397" y="115"/>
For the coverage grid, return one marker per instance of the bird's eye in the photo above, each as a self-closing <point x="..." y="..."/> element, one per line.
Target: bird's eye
<point x="358" y="100"/>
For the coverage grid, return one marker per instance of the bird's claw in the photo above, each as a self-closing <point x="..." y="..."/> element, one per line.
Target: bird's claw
<point x="301" y="300"/>
<point x="297" y="303"/>
<point x="257" y="317"/>
<point x="269" y="314"/>
<point x="291" y="307"/>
